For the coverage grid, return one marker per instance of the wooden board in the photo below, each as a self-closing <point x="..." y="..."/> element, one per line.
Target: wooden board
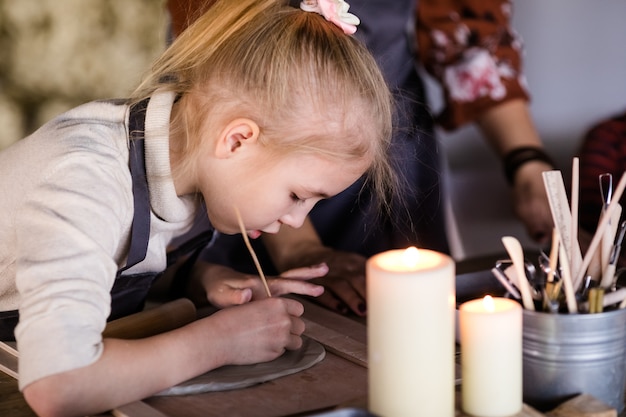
<point x="339" y="381"/>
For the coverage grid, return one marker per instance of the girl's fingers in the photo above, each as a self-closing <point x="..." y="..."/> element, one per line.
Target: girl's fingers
<point x="314" y="271"/>
<point x="281" y="286"/>
<point x="230" y="296"/>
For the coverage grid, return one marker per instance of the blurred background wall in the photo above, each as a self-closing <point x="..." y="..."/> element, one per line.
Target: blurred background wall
<point x="575" y="64"/>
<point x="55" y="54"/>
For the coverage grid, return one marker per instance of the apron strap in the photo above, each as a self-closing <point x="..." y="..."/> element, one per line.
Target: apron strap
<point x="140" y="229"/>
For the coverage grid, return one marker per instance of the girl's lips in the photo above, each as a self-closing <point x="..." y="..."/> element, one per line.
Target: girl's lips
<point x="253" y="234"/>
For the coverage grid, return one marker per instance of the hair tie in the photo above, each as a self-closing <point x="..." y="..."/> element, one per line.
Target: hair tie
<point x="335" y="11"/>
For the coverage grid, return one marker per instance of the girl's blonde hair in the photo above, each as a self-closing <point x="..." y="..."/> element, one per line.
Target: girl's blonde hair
<point x="308" y="86"/>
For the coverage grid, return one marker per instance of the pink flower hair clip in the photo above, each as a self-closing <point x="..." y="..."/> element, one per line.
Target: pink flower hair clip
<point x="335" y="11"/>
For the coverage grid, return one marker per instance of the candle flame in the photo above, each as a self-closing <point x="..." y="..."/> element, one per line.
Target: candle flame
<point x="410" y="257"/>
<point x="488" y="303"/>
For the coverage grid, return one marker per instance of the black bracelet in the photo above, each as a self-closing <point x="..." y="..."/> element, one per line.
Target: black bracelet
<point x="519" y="156"/>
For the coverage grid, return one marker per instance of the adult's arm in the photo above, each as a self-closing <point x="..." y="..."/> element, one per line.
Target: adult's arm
<point x="470" y="48"/>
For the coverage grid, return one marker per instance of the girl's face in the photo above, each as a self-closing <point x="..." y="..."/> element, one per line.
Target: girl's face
<point x="233" y="169"/>
<point x="273" y="191"/>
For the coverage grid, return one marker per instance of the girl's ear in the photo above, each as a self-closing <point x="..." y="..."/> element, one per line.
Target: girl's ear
<point x="235" y="134"/>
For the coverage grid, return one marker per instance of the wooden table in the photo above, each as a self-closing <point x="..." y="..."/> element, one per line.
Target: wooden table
<point x="341" y="378"/>
<point x="339" y="381"/>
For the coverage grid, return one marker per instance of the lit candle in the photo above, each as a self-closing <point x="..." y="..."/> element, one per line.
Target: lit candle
<point x="491" y="357"/>
<point x="410" y="328"/>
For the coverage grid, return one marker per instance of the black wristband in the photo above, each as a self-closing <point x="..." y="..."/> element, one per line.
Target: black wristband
<point x="519" y="156"/>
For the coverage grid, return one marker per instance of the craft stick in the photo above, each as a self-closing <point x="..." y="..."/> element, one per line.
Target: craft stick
<point x="554" y="255"/>
<point x="514" y="248"/>
<point x="252" y="253"/>
<point x="573" y="243"/>
<point x="597" y="237"/>
<point x="566" y="277"/>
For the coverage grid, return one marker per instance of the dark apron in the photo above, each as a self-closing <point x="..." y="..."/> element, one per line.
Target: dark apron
<point x="129" y="292"/>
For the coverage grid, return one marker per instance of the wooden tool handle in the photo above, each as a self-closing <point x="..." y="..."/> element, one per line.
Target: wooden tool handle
<point x="153" y="321"/>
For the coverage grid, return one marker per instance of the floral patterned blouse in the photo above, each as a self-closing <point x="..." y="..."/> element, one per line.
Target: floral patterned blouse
<point x="470" y="48"/>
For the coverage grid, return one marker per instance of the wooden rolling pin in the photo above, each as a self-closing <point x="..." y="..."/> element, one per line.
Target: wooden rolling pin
<point x="160" y="319"/>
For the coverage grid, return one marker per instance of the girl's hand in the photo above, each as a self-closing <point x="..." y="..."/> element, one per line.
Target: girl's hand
<point x="258" y="332"/>
<point x="226" y="287"/>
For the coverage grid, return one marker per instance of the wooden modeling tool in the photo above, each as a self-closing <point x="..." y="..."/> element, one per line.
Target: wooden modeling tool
<point x="252" y="253"/>
<point x="566" y="277"/>
<point x="514" y="248"/>
<point x="613" y="250"/>
<point x="554" y="256"/>
<point x="552" y="289"/>
<point x="505" y="283"/>
<point x="600" y="231"/>
<point x="601" y="257"/>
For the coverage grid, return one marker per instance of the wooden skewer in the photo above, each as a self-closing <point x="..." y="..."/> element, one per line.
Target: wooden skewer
<point x="566" y="277"/>
<point x="252" y="253"/>
<point x="573" y="244"/>
<point x="554" y="255"/>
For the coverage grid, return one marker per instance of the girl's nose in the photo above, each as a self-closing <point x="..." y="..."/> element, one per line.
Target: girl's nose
<point x="295" y="218"/>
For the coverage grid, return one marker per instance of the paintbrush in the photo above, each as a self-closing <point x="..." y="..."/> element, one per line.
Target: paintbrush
<point x="252" y="253"/>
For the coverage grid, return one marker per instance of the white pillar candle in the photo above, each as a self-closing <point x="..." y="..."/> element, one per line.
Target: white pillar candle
<point x="491" y="357"/>
<point x="410" y="327"/>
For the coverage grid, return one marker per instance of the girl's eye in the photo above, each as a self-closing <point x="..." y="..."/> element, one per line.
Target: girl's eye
<point x="295" y="198"/>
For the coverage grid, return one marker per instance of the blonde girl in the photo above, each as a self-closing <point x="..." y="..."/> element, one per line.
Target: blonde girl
<point x="258" y="106"/>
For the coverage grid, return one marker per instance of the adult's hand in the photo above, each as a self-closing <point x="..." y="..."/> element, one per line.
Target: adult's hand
<point x="530" y="201"/>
